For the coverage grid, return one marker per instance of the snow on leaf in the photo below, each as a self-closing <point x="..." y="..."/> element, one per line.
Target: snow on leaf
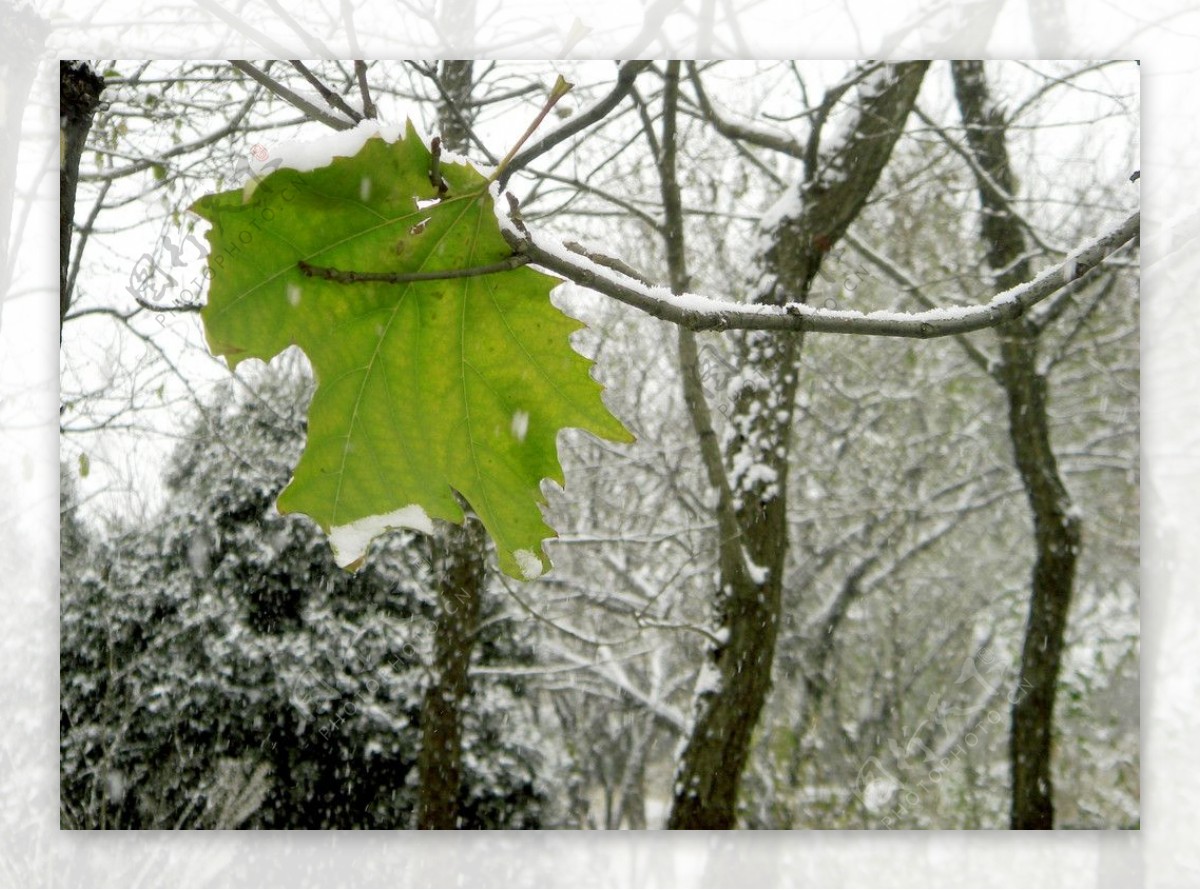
<point x="350" y="541"/>
<point x="418" y="383"/>
<point x="529" y="564"/>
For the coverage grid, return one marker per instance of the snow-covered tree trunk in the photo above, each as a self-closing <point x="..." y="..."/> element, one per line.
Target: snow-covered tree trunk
<point x="840" y="172"/>
<point x="1057" y="528"/>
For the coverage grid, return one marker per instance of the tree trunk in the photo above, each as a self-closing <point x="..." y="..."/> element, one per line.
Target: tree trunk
<point x="1057" y="531"/>
<point x="460" y="570"/>
<point x="1057" y="535"/>
<point x="752" y="479"/>
<point x="79" y="97"/>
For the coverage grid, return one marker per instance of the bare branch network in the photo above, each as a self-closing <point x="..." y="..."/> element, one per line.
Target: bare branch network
<point x="693" y="311"/>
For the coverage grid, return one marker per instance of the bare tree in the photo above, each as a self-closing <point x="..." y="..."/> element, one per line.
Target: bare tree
<point x="752" y="481"/>
<point x="1057" y="524"/>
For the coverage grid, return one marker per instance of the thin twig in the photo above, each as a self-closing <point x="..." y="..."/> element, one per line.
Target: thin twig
<point x="904" y="280"/>
<point x="288" y="95"/>
<point x="315" y="46"/>
<point x="582" y="185"/>
<point x="240" y="24"/>
<point x="730" y="130"/>
<point x="1052" y="310"/>
<point x="580" y="121"/>
<point x="334" y="100"/>
<point x="233" y="124"/>
<point x="173" y="307"/>
<point x="986" y="181"/>
<point x="360" y="71"/>
<point x="85" y="232"/>
<point x="732" y="556"/>
<point x="608" y="262"/>
<point x="429" y="72"/>
<point x="1061" y="350"/>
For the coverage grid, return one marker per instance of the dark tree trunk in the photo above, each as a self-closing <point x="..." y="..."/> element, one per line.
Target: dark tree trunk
<point x="1057" y="534"/>
<point x="460" y="570"/>
<point x="753" y="505"/>
<point x="456" y="113"/>
<point x="1057" y="531"/>
<point x="79" y="96"/>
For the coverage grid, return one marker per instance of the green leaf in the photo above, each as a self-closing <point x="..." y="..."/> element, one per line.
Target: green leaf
<point x="85" y="465"/>
<point x="424" y="389"/>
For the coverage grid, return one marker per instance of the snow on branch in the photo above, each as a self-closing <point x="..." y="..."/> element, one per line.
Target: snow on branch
<point x="702" y="313"/>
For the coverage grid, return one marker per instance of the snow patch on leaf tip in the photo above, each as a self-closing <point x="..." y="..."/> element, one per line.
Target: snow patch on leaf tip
<point x="531" y="567"/>
<point x="312" y="154"/>
<point x="350" y="541"/>
<point x="304" y="155"/>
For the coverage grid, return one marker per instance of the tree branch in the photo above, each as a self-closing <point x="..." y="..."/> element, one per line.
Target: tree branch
<point x="581" y="121"/>
<point x="360" y="71"/>
<point x="349" y="277"/>
<point x="454" y="108"/>
<point x="335" y="101"/>
<point x="689" y="362"/>
<point x="85" y="232"/>
<point x="902" y="279"/>
<point x="701" y="313"/>
<point x="288" y="95"/>
<point x="986" y="181"/>
<point x="173" y="307"/>
<point x="1061" y="349"/>
<point x="1051" y="311"/>
<point x="234" y="122"/>
<point x="738" y="132"/>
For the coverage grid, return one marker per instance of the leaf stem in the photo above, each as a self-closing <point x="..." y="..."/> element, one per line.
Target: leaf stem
<point x="561" y="88"/>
